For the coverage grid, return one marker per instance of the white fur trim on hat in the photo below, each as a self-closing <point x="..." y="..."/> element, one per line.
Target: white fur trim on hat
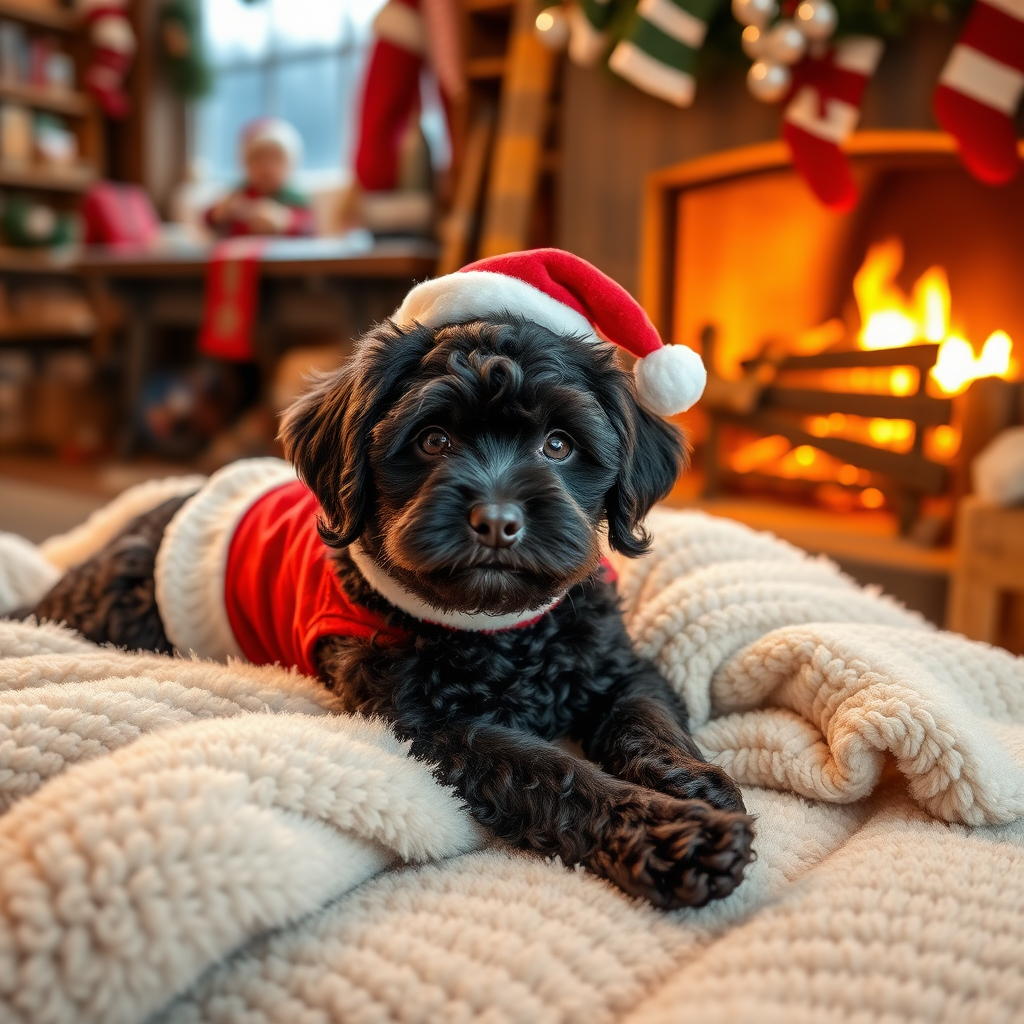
<point x="670" y="379"/>
<point x="193" y="556"/>
<point x="458" y="298"/>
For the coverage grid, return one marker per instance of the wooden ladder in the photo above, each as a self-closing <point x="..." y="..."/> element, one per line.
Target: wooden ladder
<point x="506" y="136"/>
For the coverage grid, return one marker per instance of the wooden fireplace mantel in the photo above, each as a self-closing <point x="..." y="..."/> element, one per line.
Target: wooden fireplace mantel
<point x="662" y="188"/>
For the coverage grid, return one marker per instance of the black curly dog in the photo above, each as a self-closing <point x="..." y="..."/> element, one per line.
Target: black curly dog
<point x="478" y="464"/>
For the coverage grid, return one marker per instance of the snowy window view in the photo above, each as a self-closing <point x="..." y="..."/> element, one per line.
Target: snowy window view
<point x="300" y="60"/>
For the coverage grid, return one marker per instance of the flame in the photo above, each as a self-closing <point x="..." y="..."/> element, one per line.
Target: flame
<point x="891" y="320"/>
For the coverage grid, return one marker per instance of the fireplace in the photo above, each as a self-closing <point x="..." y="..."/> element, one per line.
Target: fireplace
<point x="856" y="361"/>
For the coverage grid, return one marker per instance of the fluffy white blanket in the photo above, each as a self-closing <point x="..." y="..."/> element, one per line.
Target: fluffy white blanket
<point x="198" y="842"/>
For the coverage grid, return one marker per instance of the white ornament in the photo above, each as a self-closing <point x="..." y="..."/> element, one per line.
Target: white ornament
<point x="40" y="222"/>
<point x="754" y="12"/>
<point x="817" y="19"/>
<point x="785" y="43"/>
<point x="552" y="28"/>
<point x="769" y="82"/>
<point x="753" y="42"/>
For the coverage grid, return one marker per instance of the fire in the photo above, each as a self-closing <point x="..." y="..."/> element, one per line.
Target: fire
<point x="889" y="319"/>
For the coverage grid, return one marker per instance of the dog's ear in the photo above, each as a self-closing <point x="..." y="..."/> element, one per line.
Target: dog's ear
<point x="326" y="432"/>
<point x="653" y="454"/>
<point x="321" y="440"/>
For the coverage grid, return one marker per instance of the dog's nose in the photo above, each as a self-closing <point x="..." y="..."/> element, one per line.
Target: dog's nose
<point x="497" y="526"/>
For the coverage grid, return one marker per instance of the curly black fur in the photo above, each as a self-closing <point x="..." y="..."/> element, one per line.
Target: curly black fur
<point x="645" y="810"/>
<point x="111" y="597"/>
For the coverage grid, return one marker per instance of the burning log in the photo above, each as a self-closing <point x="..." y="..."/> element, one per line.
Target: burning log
<point x="757" y="403"/>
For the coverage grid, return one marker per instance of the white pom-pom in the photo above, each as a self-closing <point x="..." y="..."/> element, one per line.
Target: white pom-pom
<point x="670" y="379"/>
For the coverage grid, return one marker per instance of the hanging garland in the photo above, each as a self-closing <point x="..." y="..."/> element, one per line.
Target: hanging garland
<point x="182" y="50"/>
<point x="817" y="56"/>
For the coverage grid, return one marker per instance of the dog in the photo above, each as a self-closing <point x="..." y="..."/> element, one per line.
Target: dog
<point x="462" y="479"/>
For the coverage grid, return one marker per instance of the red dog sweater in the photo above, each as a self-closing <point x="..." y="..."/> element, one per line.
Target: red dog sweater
<point x="242" y="572"/>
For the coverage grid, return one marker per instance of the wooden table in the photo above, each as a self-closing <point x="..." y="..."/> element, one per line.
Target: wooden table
<point x="322" y="287"/>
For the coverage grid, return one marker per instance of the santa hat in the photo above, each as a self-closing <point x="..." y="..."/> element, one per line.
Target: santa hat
<point x="568" y="296"/>
<point x="271" y="129"/>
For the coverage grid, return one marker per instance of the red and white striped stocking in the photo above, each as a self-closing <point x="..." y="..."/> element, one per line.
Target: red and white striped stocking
<point x="980" y="87"/>
<point x="824" y="110"/>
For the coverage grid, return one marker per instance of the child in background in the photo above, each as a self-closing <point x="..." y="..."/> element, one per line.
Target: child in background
<point x="265" y="204"/>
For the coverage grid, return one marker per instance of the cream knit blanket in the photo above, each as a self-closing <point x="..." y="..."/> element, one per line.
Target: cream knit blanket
<point x="189" y="841"/>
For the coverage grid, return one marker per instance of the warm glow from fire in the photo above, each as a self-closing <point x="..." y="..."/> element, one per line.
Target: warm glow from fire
<point x="889" y="319"/>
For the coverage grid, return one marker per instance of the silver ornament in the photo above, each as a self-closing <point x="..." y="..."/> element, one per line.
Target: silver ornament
<point x="769" y="82"/>
<point x="551" y="27"/>
<point x="784" y="43"/>
<point x="754" y="12"/>
<point x="817" y="19"/>
<point x="753" y="42"/>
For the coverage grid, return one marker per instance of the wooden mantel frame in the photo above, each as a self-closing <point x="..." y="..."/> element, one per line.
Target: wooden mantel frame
<point x="662" y="188"/>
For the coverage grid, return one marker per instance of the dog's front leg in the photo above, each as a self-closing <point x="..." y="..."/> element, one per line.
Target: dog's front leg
<point x="641" y="733"/>
<point x="531" y="793"/>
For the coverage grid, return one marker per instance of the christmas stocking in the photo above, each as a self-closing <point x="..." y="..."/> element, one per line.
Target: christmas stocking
<point x="391" y="91"/>
<point x="660" y="47"/>
<point x="232" y="288"/>
<point x="980" y="87"/>
<point x="588" y="40"/>
<point x="824" y="110"/>
<point x="113" y="49"/>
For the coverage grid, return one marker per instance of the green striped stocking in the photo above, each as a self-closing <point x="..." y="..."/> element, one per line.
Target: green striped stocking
<point x="660" y="47"/>
<point x="588" y="38"/>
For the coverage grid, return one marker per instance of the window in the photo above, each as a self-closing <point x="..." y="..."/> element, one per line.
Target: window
<point x="301" y="60"/>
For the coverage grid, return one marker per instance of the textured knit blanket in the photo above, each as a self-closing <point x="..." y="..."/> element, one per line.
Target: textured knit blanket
<point x="187" y="841"/>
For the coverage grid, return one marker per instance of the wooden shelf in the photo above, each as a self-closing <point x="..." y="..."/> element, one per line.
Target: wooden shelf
<point x="485" y="68"/>
<point x="39" y="261"/>
<point x="41" y="97"/>
<point x="15" y="335"/>
<point x="53" y="18"/>
<point x="71" y="179"/>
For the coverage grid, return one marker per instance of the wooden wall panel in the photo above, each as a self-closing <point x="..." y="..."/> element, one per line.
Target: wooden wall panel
<point x="614" y="135"/>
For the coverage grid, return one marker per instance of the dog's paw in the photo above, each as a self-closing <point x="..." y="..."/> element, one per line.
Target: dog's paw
<point x="674" y="853"/>
<point x="707" y="782"/>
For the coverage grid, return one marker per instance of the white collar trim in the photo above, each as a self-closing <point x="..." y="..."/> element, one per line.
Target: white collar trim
<point x="475" y="622"/>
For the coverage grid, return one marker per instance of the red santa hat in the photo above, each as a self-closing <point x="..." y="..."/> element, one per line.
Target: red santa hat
<point x="568" y="296"/>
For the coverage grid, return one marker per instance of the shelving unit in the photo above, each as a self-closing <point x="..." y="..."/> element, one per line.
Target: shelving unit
<point x="84" y="117"/>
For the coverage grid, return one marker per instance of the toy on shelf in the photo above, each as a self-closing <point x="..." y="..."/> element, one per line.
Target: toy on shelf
<point x="265" y="203"/>
<point x="28" y="224"/>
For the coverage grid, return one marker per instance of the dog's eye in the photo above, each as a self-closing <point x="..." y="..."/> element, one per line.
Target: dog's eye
<point x="434" y="441"/>
<point x="557" y="446"/>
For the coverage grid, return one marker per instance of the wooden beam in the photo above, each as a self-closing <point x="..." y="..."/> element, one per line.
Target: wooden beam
<point x="922" y="409"/>
<point x="921" y="356"/>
